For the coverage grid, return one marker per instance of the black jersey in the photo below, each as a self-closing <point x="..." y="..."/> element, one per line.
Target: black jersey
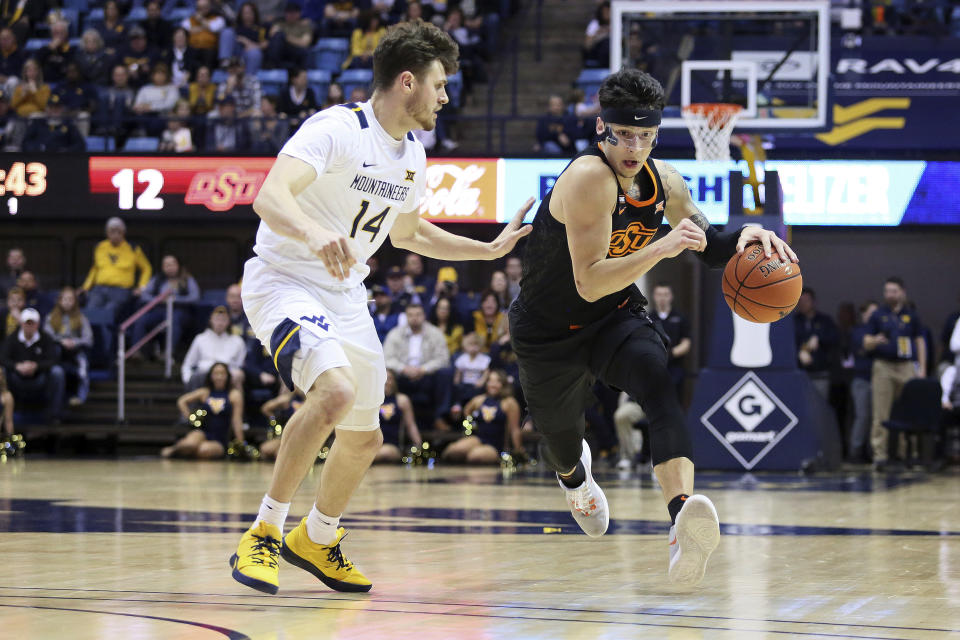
<point x="548" y="292"/>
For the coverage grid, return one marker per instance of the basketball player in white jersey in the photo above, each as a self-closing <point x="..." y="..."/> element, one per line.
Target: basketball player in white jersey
<point x="351" y="175"/>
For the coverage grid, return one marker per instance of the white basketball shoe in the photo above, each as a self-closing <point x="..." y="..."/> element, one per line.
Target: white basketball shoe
<point x="587" y="502"/>
<point x="692" y="539"/>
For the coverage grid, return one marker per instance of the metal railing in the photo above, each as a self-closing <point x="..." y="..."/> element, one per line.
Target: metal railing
<point x="123" y="353"/>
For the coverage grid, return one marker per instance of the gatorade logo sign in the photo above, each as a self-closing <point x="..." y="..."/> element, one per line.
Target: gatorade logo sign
<point x="749" y="420"/>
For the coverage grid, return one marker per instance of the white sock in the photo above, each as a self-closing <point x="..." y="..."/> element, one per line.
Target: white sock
<point x="321" y="528"/>
<point x="272" y="512"/>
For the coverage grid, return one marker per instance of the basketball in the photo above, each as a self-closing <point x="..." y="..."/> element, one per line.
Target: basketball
<point x="761" y="289"/>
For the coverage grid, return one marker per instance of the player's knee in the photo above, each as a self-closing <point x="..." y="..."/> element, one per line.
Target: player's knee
<point x="334" y="396"/>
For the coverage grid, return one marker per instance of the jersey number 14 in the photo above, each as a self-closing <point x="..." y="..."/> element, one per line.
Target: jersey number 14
<point x="371" y="226"/>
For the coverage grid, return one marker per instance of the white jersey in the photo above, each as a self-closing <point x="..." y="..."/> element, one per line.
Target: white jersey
<point x="365" y="179"/>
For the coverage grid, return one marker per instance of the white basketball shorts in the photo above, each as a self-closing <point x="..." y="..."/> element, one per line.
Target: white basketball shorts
<point x="309" y="329"/>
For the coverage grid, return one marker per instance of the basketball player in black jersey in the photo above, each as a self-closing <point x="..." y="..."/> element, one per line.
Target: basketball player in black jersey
<point x="580" y="317"/>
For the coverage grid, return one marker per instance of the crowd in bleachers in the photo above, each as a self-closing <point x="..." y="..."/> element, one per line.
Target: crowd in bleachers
<point x="453" y="376"/>
<point x="205" y="75"/>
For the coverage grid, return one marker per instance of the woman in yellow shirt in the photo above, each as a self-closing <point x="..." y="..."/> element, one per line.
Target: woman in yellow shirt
<point x="363" y="41"/>
<point x="31" y="95"/>
<point x="490" y="322"/>
<point x="442" y="317"/>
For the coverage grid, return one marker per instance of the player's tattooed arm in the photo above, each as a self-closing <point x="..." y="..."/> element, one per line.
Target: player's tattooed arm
<point x="700" y="220"/>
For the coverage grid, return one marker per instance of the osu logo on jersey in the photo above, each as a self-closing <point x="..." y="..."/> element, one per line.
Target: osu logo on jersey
<point x="626" y="241"/>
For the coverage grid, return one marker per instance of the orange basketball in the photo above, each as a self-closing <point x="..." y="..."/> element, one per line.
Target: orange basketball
<point x="761" y="289"/>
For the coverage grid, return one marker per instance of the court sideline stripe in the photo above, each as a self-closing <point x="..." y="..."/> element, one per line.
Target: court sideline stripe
<point x="813" y="634"/>
<point x="229" y="633"/>
<point x="643" y="612"/>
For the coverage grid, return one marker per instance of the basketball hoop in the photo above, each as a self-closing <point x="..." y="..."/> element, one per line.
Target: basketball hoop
<point x="710" y="125"/>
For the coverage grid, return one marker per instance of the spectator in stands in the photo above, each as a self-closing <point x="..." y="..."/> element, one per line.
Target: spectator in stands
<point x="32" y="295"/>
<point x="334" y="96"/>
<point x="677" y="328"/>
<point x="7" y="404"/>
<point x="16" y="303"/>
<point x="70" y="329"/>
<point x="78" y="97"/>
<point x="112" y="29"/>
<point x="244" y="89"/>
<point x="339" y="18"/>
<point x="17" y="17"/>
<point x="860" y="390"/>
<point x="258" y="370"/>
<point x="16" y="264"/>
<point x="414" y="11"/>
<point x="400" y="296"/>
<point x="113" y="279"/>
<point x="950" y="337"/>
<point x="442" y="316"/>
<point x="298" y="101"/>
<point x="11" y="59"/>
<point x="239" y="325"/>
<point x="30" y="360"/>
<point x="11" y="132"/>
<point x="251" y="37"/>
<point x="500" y="286"/>
<point x="138" y="57"/>
<point x="490" y="322"/>
<point x="396" y="414"/>
<point x="172" y="277"/>
<point x="116" y="106"/>
<point x="215" y="344"/>
<point x="596" y="44"/>
<point x="418" y="353"/>
<point x="227" y="132"/>
<point x="470" y="42"/>
<point x="893" y="340"/>
<point x="54" y="133"/>
<point x="421" y="282"/>
<point x="470" y="370"/>
<point x="359" y="94"/>
<point x="556" y="130"/>
<point x="384" y="317"/>
<point x="204" y="27"/>
<point x="32" y="93"/>
<point x="269" y="131"/>
<point x="183" y="60"/>
<point x="159" y="31"/>
<point x="202" y="94"/>
<point x="269" y="10"/>
<point x="290" y="39"/>
<point x="156" y="100"/>
<point x="178" y="137"/>
<point x="222" y="403"/>
<point x="363" y="41"/>
<point x="816" y="340"/>
<point x="54" y="57"/>
<point x="496" y="424"/>
<point x="93" y="61"/>
<point x="514" y="272"/>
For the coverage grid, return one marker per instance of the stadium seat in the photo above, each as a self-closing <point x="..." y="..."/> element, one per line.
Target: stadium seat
<point x="352" y="78"/>
<point x="178" y="15"/>
<point x="328" y="54"/>
<point x="76" y="5"/>
<point x="455" y="89"/>
<point x="219" y="77"/>
<point x="319" y="82"/>
<point x="272" y="81"/>
<point x="589" y="80"/>
<point x="141" y="144"/>
<point x="101" y="143"/>
<point x="35" y="44"/>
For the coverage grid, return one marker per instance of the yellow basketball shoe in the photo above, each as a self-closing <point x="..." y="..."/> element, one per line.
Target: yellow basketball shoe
<point x="255" y="563"/>
<point x="325" y="562"/>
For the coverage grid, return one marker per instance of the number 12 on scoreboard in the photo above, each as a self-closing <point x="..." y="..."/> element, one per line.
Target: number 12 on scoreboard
<point x="146" y="201"/>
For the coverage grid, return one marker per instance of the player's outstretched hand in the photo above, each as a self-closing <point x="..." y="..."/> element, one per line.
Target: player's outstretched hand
<point x="334" y="250"/>
<point x="770" y="242"/>
<point x="686" y="235"/>
<point x="514" y="230"/>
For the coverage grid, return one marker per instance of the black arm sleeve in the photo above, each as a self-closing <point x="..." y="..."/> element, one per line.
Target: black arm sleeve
<point x="720" y="247"/>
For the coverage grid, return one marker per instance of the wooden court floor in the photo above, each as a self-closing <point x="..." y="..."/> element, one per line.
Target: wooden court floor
<point x="136" y="549"/>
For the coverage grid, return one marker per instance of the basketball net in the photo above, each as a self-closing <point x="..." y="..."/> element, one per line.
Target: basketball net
<point x="710" y="125"/>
